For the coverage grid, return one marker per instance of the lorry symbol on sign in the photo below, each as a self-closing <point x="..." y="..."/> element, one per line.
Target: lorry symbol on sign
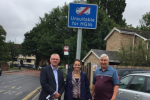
<point x="85" y="10"/>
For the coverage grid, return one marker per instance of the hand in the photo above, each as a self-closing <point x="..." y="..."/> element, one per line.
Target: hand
<point x="53" y="97"/>
<point x="91" y="93"/>
<point x="56" y="95"/>
<point x="113" y="98"/>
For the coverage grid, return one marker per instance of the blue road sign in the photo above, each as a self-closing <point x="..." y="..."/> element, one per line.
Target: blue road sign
<point x="82" y="16"/>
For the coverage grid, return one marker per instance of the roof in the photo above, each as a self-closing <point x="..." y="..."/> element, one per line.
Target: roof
<point x="98" y="53"/>
<point x="142" y="34"/>
<point x="19" y="46"/>
<point x="141" y="74"/>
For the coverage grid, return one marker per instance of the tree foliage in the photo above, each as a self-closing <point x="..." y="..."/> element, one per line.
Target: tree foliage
<point x="145" y="22"/>
<point x="137" y="55"/>
<point x="13" y="51"/>
<point x="3" y="48"/>
<point x="113" y="8"/>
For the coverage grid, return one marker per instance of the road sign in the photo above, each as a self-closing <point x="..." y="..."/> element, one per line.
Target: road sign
<point x="82" y="16"/>
<point x="66" y="48"/>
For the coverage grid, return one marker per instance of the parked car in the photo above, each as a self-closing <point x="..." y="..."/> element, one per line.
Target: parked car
<point x="0" y="71"/>
<point x="29" y="66"/>
<point x="134" y="87"/>
<point x="40" y="67"/>
<point x="125" y="71"/>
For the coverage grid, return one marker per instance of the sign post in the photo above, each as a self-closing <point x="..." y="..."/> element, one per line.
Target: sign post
<point x="82" y="16"/>
<point x="67" y="52"/>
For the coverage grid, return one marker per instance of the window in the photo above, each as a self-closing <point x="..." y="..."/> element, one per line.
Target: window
<point x="125" y="73"/>
<point x="147" y="89"/>
<point x="28" y="60"/>
<point x="137" y="83"/>
<point x="124" y="82"/>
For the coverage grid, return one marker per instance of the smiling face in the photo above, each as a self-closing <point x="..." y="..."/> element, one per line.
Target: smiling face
<point x="77" y="65"/>
<point x="104" y="62"/>
<point x="54" y="60"/>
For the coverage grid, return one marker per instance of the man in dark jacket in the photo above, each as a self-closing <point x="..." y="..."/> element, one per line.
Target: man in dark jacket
<point x="52" y="80"/>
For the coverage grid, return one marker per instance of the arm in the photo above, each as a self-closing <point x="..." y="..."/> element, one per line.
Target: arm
<point x="66" y="88"/>
<point x="93" y="89"/>
<point x="62" y="85"/>
<point x="116" y="87"/>
<point x="93" y="86"/>
<point x="88" y="94"/>
<point x="44" y="82"/>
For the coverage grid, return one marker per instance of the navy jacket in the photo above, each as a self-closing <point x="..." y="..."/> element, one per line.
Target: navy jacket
<point x="48" y="82"/>
<point x="84" y="88"/>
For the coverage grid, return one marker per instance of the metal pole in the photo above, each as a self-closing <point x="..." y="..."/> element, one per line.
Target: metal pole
<point x="79" y="39"/>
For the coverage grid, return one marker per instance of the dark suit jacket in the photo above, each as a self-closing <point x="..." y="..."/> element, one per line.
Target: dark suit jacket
<point x="48" y="82"/>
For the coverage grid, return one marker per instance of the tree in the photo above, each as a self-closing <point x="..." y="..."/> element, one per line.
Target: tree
<point x="13" y="51"/>
<point x="113" y="8"/>
<point x="145" y="22"/>
<point x="138" y="55"/>
<point x="3" y="48"/>
<point x="30" y="44"/>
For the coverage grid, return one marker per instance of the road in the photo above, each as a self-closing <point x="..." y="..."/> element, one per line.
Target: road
<point x="17" y="85"/>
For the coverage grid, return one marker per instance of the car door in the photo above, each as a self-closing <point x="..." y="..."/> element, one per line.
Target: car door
<point x="134" y="89"/>
<point x="122" y="87"/>
<point x="146" y="93"/>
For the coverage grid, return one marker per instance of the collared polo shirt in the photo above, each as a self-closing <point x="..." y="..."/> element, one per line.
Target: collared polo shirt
<point x="104" y="83"/>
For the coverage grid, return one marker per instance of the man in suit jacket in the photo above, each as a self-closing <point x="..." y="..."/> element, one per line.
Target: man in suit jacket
<point x="52" y="80"/>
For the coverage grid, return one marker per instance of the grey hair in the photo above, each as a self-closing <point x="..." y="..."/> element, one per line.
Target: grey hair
<point x="104" y="55"/>
<point x="56" y="55"/>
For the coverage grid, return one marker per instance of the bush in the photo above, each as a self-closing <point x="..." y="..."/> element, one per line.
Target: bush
<point x="11" y="65"/>
<point x="61" y="67"/>
<point x="43" y="65"/>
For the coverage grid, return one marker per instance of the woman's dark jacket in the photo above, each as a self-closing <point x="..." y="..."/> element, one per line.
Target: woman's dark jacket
<point x="84" y="88"/>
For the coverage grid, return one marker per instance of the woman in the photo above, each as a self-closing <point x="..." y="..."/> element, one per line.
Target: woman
<point x="77" y="84"/>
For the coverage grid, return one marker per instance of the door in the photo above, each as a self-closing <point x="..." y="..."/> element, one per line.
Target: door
<point x="134" y="89"/>
<point x="122" y="87"/>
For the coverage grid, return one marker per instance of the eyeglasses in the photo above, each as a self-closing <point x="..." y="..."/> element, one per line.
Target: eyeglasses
<point x="54" y="59"/>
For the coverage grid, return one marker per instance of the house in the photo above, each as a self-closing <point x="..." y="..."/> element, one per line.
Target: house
<point x="26" y="60"/>
<point x="93" y="56"/>
<point x="119" y="37"/>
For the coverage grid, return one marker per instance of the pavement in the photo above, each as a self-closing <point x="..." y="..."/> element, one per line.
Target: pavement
<point x="34" y="95"/>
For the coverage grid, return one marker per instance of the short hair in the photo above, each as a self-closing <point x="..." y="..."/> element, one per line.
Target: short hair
<point x="56" y="55"/>
<point x="78" y="61"/>
<point x="104" y="55"/>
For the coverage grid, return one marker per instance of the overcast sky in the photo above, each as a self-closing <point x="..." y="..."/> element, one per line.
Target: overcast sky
<point x="19" y="16"/>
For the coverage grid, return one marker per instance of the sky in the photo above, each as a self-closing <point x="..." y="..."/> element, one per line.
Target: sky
<point x="19" y="16"/>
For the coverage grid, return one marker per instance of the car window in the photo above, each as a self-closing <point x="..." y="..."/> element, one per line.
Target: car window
<point x="137" y="83"/>
<point x="124" y="82"/>
<point x="125" y="73"/>
<point x="148" y="85"/>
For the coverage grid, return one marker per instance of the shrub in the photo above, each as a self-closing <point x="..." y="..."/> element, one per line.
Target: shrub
<point x="61" y="67"/>
<point x="11" y="65"/>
